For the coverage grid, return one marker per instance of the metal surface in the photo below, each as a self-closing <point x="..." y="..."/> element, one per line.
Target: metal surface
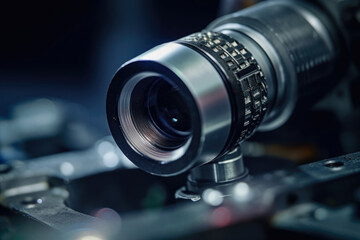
<point x="220" y="174"/>
<point x="225" y="170"/>
<point x="320" y="221"/>
<point x="281" y="109"/>
<point x="258" y="197"/>
<point x="275" y="27"/>
<point x="244" y="78"/>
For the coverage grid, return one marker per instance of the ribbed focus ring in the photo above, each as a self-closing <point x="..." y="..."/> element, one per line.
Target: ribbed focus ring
<point x="242" y="75"/>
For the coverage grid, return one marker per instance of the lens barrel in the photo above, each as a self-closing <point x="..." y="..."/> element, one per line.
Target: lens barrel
<point x="185" y="103"/>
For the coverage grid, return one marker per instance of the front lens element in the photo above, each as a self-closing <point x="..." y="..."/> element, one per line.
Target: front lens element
<point x="154" y="116"/>
<point x="167" y="109"/>
<point x="160" y="114"/>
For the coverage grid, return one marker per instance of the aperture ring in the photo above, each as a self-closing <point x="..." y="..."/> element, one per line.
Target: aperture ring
<point x="243" y="77"/>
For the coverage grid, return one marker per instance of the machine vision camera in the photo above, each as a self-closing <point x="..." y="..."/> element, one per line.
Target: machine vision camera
<point x="193" y="101"/>
<point x="217" y="135"/>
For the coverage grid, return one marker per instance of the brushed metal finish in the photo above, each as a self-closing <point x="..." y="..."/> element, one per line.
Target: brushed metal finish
<point x="207" y="89"/>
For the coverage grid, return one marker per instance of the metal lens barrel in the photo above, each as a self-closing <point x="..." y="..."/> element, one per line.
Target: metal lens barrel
<point x="188" y="102"/>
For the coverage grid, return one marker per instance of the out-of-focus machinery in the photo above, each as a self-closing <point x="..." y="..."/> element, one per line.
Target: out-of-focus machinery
<point x="238" y="117"/>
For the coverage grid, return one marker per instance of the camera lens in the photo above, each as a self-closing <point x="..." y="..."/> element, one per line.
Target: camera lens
<point x="165" y="116"/>
<point x="188" y="102"/>
<point x="167" y="109"/>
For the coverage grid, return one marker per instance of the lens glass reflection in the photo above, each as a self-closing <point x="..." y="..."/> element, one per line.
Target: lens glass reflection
<point x="160" y="113"/>
<point x="167" y="109"/>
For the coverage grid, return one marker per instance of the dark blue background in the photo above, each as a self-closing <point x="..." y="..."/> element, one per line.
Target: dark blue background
<point x="70" y="49"/>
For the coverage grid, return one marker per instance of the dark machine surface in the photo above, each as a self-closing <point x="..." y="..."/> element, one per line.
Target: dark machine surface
<point x="249" y="128"/>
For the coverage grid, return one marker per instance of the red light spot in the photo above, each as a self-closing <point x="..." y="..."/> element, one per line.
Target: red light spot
<point x="221" y="217"/>
<point x="108" y="214"/>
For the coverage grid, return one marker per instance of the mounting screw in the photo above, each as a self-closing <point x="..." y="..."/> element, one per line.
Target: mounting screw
<point x="334" y="165"/>
<point x="30" y="202"/>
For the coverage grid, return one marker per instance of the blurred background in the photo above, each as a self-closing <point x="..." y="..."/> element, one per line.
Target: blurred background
<point x="69" y="50"/>
<point x="57" y="59"/>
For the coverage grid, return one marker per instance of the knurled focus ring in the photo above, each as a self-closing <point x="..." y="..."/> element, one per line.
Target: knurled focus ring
<point x="243" y="78"/>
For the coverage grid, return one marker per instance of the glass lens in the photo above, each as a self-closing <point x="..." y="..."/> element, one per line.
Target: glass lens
<point x="168" y="109"/>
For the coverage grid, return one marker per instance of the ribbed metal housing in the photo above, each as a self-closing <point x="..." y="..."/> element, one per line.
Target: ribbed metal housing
<point x="303" y="40"/>
<point x="242" y="75"/>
